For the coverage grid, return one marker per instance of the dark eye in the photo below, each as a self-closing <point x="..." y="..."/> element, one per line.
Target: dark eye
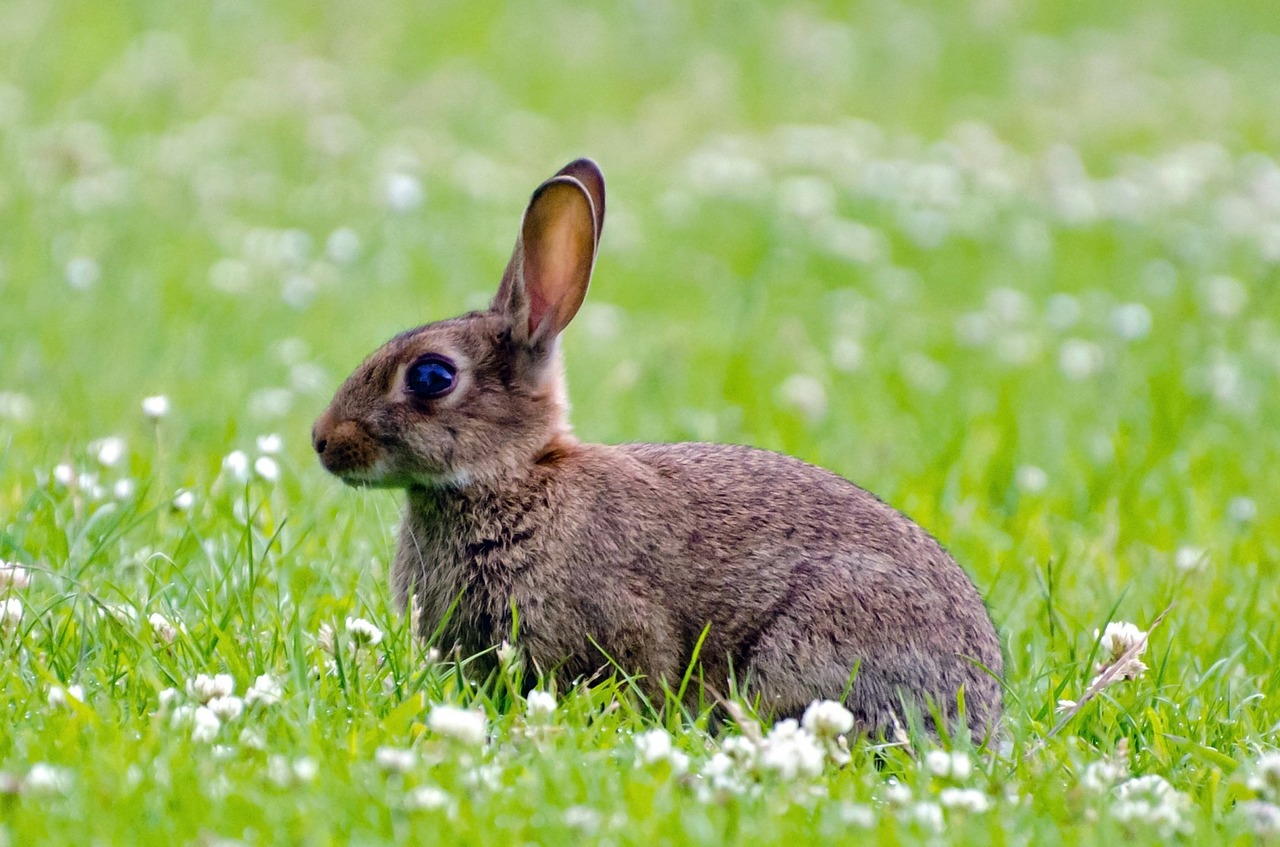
<point x="431" y="377"/>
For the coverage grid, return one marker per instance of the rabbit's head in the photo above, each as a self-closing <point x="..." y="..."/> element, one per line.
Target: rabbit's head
<point x="478" y="395"/>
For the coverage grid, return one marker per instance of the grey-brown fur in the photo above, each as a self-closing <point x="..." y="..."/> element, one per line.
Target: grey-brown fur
<point x="801" y="576"/>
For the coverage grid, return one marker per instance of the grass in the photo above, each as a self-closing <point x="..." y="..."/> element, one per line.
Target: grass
<point x="1014" y="267"/>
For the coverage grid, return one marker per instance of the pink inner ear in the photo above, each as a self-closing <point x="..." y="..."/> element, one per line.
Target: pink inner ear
<point x="558" y="240"/>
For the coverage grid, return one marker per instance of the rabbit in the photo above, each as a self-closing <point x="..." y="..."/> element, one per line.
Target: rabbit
<point x="806" y="586"/>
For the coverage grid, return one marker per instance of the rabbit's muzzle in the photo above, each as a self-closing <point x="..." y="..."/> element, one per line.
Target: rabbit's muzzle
<point x="344" y="448"/>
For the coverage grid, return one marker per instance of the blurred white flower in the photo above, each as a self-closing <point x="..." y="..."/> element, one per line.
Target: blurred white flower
<point x="1152" y="801"/>
<point x="109" y="450"/>
<point x="43" y="778"/>
<point x="1190" y="558"/>
<point x="236" y="466"/>
<point x="1224" y="296"/>
<point x="266" y="690"/>
<point x="427" y="798"/>
<point x="1031" y="479"/>
<point x="1263" y="818"/>
<point x="655" y="746"/>
<point x="968" y="799"/>
<point x="59" y="697"/>
<point x="363" y="633"/>
<point x="184" y="500"/>
<point x="1103" y="774"/>
<point x="155" y="407"/>
<point x="168" y="698"/>
<point x="1264" y="776"/>
<point x="123" y="488"/>
<point x="162" y="627"/>
<point x="857" y="815"/>
<point x="790" y="752"/>
<point x="15" y="406"/>
<point x="64" y="475"/>
<point x="205" y="725"/>
<point x="402" y="192"/>
<point x="804" y="394"/>
<point x="342" y="246"/>
<point x="1242" y="509"/>
<point x="1079" y="359"/>
<point x="927" y="815"/>
<point x="305" y="768"/>
<point x="82" y="273"/>
<point x="267" y="468"/>
<point x="394" y="759"/>
<point x="205" y="687"/>
<point x="582" y="818"/>
<point x="827" y="719"/>
<point x="13" y="575"/>
<point x="540" y="705"/>
<point x="1131" y="321"/>
<point x="10" y="614"/>
<point x="465" y="725"/>
<point x="326" y="639"/>
<point x="227" y="708"/>
<point x="1062" y="311"/>
<point x="271" y="443"/>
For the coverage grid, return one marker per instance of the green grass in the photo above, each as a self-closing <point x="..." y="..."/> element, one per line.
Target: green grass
<point x="1014" y="267"/>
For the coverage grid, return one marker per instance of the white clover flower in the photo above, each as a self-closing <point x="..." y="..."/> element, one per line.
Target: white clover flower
<point x="1116" y="640"/>
<point x="1152" y="801"/>
<point x="465" y="725"/>
<point x="1131" y="321"/>
<point x="1031" y="479"/>
<point x="59" y="697"/>
<point x="540" y="705"/>
<point x="227" y="708"/>
<point x="968" y="799"/>
<point x="16" y="407"/>
<point x="266" y="690"/>
<point x="1264" y="818"/>
<point x="124" y="488"/>
<point x="183" y="500"/>
<point x="1190" y="558"/>
<point x="403" y="192"/>
<point x="342" y="246"/>
<point x="582" y="818"/>
<point x="1265" y="776"/>
<point x="1079" y="359"/>
<point x="655" y="746"/>
<point x="110" y="451"/>
<point x="428" y="798"/>
<point x="305" y="768"/>
<point x="507" y="653"/>
<point x="898" y="793"/>
<point x="155" y="407"/>
<point x="167" y="698"/>
<point x="1242" y="509"/>
<point x="82" y="273"/>
<point x="363" y="633"/>
<point x="13" y="575"/>
<point x="10" y="614"/>
<point x="927" y="815"/>
<point x="64" y="475"/>
<point x="857" y="815"/>
<point x="270" y="444"/>
<point x="236" y="466"/>
<point x="205" y="725"/>
<point x="1102" y="775"/>
<point x="162" y="627"/>
<point x="804" y="394"/>
<point x="252" y="738"/>
<point x="205" y="687"/>
<point x="1224" y="296"/>
<point x="267" y="468"/>
<point x="791" y="752"/>
<point x="394" y="759"/>
<point x="484" y="777"/>
<point x="827" y="719"/>
<point x="44" y="778"/>
<point x="938" y="762"/>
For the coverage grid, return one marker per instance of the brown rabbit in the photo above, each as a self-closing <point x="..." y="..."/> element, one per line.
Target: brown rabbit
<point x="801" y="579"/>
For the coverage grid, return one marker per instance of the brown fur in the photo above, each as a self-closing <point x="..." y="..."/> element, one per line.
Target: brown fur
<point x="802" y="577"/>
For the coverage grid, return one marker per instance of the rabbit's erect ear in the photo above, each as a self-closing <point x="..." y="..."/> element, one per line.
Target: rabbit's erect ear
<point x="588" y="173"/>
<point x="550" y="269"/>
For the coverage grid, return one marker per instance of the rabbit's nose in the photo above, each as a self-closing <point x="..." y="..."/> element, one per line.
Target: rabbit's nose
<point x="318" y="441"/>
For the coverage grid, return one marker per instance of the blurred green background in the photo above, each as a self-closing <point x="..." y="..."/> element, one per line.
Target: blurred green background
<point x="1011" y="265"/>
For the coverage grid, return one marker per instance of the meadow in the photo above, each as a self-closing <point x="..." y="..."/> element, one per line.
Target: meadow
<point x="1015" y="267"/>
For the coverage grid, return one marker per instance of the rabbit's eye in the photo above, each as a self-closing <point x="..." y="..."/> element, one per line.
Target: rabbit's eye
<point x="431" y="377"/>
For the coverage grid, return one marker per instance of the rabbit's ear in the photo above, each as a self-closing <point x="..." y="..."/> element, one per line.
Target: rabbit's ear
<point x="588" y="173"/>
<point x="550" y="269"/>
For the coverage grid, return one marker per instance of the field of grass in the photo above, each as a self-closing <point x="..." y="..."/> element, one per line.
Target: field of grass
<point x="1013" y="266"/>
